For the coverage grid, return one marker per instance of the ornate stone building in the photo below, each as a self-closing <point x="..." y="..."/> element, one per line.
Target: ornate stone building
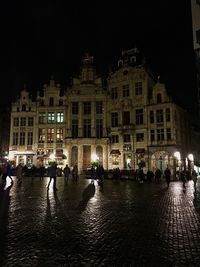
<point x="130" y="123"/>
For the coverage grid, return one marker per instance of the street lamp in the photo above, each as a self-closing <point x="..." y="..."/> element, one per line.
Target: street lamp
<point x="191" y="162"/>
<point x="177" y="155"/>
<point x="95" y="159"/>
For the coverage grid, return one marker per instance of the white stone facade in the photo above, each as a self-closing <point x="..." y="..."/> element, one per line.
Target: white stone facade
<point x="130" y="123"/>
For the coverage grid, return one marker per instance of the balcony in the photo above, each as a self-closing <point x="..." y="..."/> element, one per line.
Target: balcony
<point x="59" y="145"/>
<point x="124" y="128"/>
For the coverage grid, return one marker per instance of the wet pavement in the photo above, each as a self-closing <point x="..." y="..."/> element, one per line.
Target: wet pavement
<point x="120" y="223"/>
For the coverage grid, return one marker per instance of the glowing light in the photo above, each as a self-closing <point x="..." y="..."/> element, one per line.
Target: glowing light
<point x="95" y="158"/>
<point x="177" y="155"/>
<point x="52" y="156"/>
<point x="191" y="157"/>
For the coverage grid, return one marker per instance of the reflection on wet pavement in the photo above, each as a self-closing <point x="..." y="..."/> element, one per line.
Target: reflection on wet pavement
<point x="117" y="223"/>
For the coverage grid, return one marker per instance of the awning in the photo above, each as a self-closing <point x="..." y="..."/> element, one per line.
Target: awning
<point x="61" y="155"/>
<point x="115" y="152"/>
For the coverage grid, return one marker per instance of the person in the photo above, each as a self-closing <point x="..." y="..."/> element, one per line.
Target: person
<point x="183" y="177"/>
<point x="9" y="171"/>
<point x="41" y="171"/>
<point x="194" y="178"/>
<point x="167" y="174"/>
<point x="66" y="172"/>
<point x="75" y="172"/>
<point x="52" y="175"/>
<point x="19" y="173"/>
<point x="158" y="175"/>
<point x="4" y="173"/>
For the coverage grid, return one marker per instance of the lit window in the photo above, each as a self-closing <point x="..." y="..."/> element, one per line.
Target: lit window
<point x="60" y="117"/>
<point x="51" y="117"/>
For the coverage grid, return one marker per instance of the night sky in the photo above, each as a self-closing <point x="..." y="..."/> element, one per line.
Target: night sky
<point x="44" y="38"/>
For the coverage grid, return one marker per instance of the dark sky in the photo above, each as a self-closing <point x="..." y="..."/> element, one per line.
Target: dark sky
<point x="44" y="38"/>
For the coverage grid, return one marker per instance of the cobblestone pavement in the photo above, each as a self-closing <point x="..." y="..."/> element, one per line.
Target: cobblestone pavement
<point x="121" y="223"/>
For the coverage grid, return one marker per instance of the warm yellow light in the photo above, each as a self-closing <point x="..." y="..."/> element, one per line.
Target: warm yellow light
<point x="177" y="155"/>
<point x="191" y="157"/>
<point x="52" y="156"/>
<point x="95" y="158"/>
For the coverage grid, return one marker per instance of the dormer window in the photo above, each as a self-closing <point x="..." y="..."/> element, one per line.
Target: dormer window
<point x="133" y="59"/>
<point x="51" y="102"/>
<point x="23" y="107"/>
<point x="159" y="98"/>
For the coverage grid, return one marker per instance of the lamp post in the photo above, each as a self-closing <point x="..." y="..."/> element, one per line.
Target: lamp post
<point x="191" y="162"/>
<point x="177" y="156"/>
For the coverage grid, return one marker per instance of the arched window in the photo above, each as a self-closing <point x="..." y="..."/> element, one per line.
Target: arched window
<point x="120" y="63"/>
<point x="74" y="156"/>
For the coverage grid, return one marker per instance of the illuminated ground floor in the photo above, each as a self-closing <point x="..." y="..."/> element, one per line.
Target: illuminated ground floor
<point x="85" y="152"/>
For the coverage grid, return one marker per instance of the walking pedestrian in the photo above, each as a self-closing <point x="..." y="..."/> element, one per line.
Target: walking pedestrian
<point x="167" y="174"/>
<point x="41" y="171"/>
<point x="75" y="173"/>
<point x="66" y="172"/>
<point x="183" y="177"/>
<point x="19" y="173"/>
<point x="9" y="171"/>
<point x="194" y="178"/>
<point x="52" y="175"/>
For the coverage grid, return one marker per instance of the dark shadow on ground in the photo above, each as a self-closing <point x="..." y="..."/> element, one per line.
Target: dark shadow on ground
<point x="4" y="210"/>
<point x="88" y="193"/>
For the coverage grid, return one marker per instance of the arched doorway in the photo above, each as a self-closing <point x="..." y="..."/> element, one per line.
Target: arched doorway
<point x="160" y="160"/>
<point x="74" y="156"/>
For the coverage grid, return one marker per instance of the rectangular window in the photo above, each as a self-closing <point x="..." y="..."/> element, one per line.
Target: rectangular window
<point x="160" y="134"/>
<point x="99" y="128"/>
<point x="86" y="108"/>
<point x="30" y="121"/>
<point x="152" y="135"/>
<point x="30" y="139"/>
<point x="139" y="137"/>
<point x="139" y="116"/>
<point x="138" y="88"/>
<point x="75" y="109"/>
<point x="169" y="135"/>
<point x="22" y="139"/>
<point x="41" y="135"/>
<point x="114" y="139"/>
<point x="74" y="128"/>
<point x="51" y="117"/>
<point x="50" y="135"/>
<point x="159" y="115"/>
<point x="16" y="122"/>
<point x="114" y="94"/>
<point x="59" y="135"/>
<point x="168" y="114"/>
<point x="23" y="121"/>
<point x="125" y="90"/>
<point x="99" y="107"/>
<point x="126" y="117"/>
<point x="42" y="117"/>
<point x="60" y="117"/>
<point x="151" y="116"/>
<point x="15" y="139"/>
<point x="127" y="138"/>
<point x="87" y="128"/>
<point x="114" y="119"/>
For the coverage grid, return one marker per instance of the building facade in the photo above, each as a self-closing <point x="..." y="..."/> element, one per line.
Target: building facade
<point x="130" y="123"/>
